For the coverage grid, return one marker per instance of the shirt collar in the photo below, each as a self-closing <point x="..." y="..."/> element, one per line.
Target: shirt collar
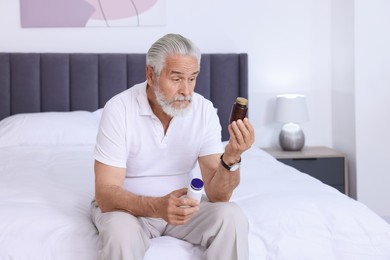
<point x="143" y="103"/>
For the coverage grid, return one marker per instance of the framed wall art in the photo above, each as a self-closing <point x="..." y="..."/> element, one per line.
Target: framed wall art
<point x="92" y="13"/>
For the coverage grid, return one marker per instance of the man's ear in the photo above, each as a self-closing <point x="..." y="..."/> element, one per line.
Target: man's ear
<point x="150" y="77"/>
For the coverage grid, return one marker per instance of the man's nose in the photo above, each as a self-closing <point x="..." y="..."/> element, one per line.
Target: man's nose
<point x="185" y="88"/>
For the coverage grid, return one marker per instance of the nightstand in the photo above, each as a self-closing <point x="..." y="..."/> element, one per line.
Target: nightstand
<point x="323" y="163"/>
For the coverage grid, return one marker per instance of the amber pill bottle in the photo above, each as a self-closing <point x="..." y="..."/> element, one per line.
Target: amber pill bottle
<point x="239" y="109"/>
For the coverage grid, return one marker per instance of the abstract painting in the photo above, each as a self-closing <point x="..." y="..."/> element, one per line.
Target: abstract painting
<point x="92" y="13"/>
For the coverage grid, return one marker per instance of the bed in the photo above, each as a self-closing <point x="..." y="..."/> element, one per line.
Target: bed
<point x="50" y="107"/>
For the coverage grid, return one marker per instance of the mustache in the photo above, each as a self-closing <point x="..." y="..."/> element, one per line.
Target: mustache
<point x="180" y="98"/>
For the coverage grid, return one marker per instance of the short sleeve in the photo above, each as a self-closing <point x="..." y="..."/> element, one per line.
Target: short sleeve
<point x="212" y="143"/>
<point x="110" y="145"/>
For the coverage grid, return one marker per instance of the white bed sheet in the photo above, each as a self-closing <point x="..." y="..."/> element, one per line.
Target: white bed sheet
<point x="45" y="198"/>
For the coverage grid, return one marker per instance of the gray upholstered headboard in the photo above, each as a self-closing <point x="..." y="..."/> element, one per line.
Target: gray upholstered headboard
<point x="39" y="82"/>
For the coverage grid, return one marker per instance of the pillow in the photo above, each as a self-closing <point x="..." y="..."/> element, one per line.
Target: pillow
<point x="50" y="128"/>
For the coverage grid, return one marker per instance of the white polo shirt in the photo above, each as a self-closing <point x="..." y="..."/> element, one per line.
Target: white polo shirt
<point x="132" y="137"/>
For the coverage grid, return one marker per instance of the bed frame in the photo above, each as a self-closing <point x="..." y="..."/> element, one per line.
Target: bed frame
<point x="40" y="82"/>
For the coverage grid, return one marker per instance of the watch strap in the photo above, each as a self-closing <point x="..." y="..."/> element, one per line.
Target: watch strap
<point x="229" y="167"/>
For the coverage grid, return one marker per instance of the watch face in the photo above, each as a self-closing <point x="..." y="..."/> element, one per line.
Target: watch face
<point x="235" y="167"/>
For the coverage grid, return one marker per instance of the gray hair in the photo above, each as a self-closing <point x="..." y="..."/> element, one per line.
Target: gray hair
<point x="170" y="44"/>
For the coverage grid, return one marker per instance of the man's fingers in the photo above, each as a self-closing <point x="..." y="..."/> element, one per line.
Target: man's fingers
<point x="181" y="215"/>
<point x="242" y="133"/>
<point x="179" y="193"/>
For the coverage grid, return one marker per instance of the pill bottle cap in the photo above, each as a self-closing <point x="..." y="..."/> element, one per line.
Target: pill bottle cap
<point x="242" y="101"/>
<point x="197" y="184"/>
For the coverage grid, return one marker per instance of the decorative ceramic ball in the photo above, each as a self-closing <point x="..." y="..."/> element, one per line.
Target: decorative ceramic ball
<point x="291" y="137"/>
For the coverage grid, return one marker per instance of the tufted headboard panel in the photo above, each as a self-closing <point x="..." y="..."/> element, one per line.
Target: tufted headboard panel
<point x="39" y="82"/>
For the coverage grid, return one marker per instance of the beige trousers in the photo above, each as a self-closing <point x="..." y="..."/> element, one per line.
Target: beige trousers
<point x="220" y="227"/>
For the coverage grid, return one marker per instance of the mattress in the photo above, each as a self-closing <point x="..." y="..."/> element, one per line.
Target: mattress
<point x="47" y="184"/>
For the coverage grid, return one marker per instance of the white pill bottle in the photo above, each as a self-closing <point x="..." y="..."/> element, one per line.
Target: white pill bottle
<point x="195" y="189"/>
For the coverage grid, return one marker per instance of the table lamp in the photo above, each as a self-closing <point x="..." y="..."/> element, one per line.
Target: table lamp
<point x="291" y="109"/>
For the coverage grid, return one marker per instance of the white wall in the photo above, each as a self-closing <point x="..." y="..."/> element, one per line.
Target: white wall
<point x="287" y="42"/>
<point x="343" y="85"/>
<point x="360" y="96"/>
<point x="372" y="84"/>
<point x="290" y="47"/>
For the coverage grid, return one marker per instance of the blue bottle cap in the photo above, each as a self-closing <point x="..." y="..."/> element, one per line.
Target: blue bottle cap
<point x="197" y="184"/>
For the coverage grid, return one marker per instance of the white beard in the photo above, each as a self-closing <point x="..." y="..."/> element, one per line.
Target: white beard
<point x="166" y="106"/>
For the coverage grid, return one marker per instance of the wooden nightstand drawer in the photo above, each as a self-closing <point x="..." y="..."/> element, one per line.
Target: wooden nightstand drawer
<point x="327" y="170"/>
<point x="322" y="163"/>
<point x="340" y="188"/>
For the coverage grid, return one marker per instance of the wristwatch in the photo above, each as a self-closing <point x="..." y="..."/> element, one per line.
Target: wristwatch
<point x="231" y="168"/>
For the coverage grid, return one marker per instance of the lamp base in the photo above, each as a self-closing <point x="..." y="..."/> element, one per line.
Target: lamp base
<point x="291" y="137"/>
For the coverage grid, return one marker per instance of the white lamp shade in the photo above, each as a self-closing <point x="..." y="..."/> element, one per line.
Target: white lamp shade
<point x="291" y="108"/>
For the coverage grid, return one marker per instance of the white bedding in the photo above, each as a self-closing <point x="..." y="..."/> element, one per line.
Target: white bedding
<point x="46" y="189"/>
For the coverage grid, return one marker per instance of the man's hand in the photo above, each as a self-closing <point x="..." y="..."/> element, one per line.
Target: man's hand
<point x="176" y="210"/>
<point x="242" y="137"/>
